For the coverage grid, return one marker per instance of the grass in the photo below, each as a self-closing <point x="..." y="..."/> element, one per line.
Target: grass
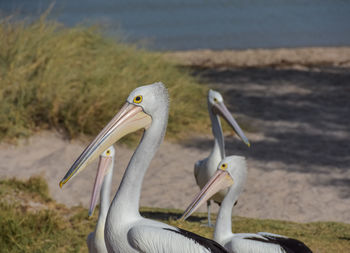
<point x="75" y="80"/>
<point x="31" y="221"/>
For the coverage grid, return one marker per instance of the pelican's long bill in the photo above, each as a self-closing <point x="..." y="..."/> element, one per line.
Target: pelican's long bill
<point x="220" y="180"/>
<point x="103" y="165"/>
<point x="129" y="119"/>
<point x="221" y="109"/>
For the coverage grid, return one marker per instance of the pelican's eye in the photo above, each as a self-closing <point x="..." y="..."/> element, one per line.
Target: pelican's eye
<point x="138" y="99"/>
<point x="215" y="100"/>
<point x="108" y="152"/>
<point x="223" y="166"/>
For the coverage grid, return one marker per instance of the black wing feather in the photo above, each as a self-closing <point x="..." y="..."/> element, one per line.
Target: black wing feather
<point x="290" y="245"/>
<point x="211" y="245"/>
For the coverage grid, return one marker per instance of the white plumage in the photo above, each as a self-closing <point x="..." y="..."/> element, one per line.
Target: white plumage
<point x="205" y="169"/>
<point x="125" y="229"/>
<point x="232" y="173"/>
<point x="96" y="240"/>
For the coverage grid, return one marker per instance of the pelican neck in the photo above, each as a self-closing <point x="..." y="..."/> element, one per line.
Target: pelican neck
<point x="219" y="142"/>
<point x="223" y="225"/>
<point x="105" y="195"/>
<point x="127" y="198"/>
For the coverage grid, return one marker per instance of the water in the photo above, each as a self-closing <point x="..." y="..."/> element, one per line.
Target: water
<point x="215" y="24"/>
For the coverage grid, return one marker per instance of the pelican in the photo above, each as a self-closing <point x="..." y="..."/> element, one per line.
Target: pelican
<point x="204" y="169"/>
<point x="96" y="240"/>
<point x="232" y="173"/>
<point x="125" y="229"/>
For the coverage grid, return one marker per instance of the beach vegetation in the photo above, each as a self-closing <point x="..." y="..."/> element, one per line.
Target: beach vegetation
<point x="76" y="79"/>
<point x="31" y="222"/>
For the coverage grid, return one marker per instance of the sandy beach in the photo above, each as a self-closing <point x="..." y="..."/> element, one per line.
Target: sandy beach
<point x="296" y="116"/>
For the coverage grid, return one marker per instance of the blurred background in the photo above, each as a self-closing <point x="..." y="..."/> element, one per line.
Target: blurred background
<point x="282" y="67"/>
<point x="219" y="24"/>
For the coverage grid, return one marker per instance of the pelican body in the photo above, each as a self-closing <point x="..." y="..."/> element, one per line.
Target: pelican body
<point x="205" y="169"/>
<point x="125" y="229"/>
<point x="96" y="240"/>
<point x="231" y="174"/>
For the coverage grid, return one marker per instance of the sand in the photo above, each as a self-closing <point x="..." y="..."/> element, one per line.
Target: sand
<point x="281" y="57"/>
<point x="296" y="117"/>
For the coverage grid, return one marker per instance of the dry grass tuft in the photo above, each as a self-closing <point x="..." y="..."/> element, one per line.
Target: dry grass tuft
<point x="74" y="79"/>
<point x="52" y="227"/>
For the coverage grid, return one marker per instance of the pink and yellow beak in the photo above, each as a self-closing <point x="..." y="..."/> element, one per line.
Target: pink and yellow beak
<point x="220" y="180"/>
<point x="103" y="166"/>
<point x="221" y="109"/>
<point x="129" y="119"/>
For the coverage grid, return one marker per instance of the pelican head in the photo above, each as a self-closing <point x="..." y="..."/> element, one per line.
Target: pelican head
<point x="144" y="106"/>
<point x="231" y="172"/>
<point x="217" y="107"/>
<point x="104" y="168"/>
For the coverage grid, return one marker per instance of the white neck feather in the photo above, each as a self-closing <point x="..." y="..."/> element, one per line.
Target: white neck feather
<point x="105" y="197"/>
<point x="125" y="204"/>
<point x="219" y="143"/>
<point x="223" y="226"/>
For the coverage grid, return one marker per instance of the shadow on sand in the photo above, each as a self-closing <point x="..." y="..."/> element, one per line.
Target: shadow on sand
<point x="169" y="216"/>
<point x="304" y="116"/>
